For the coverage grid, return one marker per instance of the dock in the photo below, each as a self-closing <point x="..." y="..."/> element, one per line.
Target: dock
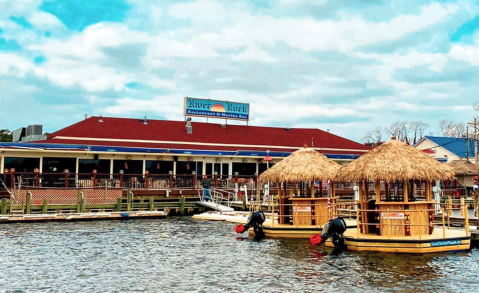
<point x="16" y="218"/>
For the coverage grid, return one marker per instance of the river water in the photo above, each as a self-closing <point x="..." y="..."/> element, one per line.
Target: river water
<point x="179" y="254"/>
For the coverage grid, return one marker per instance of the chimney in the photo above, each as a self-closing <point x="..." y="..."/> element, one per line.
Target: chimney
<point x="189" y="128"/>
<point x="86" y="116"/>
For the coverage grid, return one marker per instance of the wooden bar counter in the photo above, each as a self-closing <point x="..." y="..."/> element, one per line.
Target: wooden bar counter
<point x="404" y="217"/>
<point x="303" y="210"/>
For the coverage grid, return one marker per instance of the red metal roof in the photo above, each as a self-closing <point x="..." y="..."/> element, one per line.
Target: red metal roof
<point x="164" y="134"/>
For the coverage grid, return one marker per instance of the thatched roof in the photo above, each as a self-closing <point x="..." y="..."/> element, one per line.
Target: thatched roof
<point x="463" y="167"/>
<point x="305" y="165"/>
<point x="395" y="160"/>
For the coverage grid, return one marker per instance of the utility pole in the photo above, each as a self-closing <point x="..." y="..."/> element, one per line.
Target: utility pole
<point x="474" y="125"/>
<point x="475" y="141"/>
<point x="467" y="143"/>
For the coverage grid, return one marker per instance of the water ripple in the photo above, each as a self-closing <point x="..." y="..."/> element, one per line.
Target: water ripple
<point x="183" y="255"/>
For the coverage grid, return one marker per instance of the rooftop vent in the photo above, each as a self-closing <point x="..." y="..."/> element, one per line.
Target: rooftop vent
<point x="144" y="121"/>
<point x="189" y="128"/>
<point x="223" y="125"/>
<point x="288" y="129"/>
<point x="101" y="119"/>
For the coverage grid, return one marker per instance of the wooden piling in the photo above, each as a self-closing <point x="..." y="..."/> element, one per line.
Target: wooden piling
<point x="4" y="206"/>
<point x="79" y="196"/>
<point x="182" y="205"/>
<point x="82" y="205"/>
<point x="28" y="203"/>
<point x="118" y="204"/>
<point x="152" y="204"/>
<point x="128" y="201"/>
<point x="45" y="206"/>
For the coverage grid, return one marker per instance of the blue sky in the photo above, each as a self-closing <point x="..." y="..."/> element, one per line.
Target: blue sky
<point x="347" y="66"/>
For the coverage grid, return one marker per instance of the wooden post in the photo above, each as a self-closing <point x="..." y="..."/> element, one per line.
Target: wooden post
<point x="4" y="206"/>
<point x="332" y="188"/>
<point x="79" y="197"/>
<point x="357" y="224"/>
<point x="147" y="181"/>
<point x="37" y="177"/>
<point x="152" y="203"/>
<point x="272" y="214"/>
<point x="466" y="218"/>
<point x="389" y="224"/>
<point x="194" y="180"/>
<point x="94" y="177"/>
<point x="82" y="205"/>
<point x="386" y="185"/>
<point x="171" y="179"/>
<point x="12" y="178"/>
<point x="118" y="204"/>
<point x="121" y="178"/>
<point x="404" y="191"/>
<point x="428" y="191"/>
<point x="182" y="205"/>
<point x="449" y="206"/>
<point x="28" y="203"/>
<point x="45" y="206"/>
<point x="236" y="177"/>
<point x="462" y="206"/>
<point x="312" y="189"/>
<point x="66" y="178"/>
<point x="443" y="225"/>
<point x="378" y="191"/>
<point x="128" y="200"/>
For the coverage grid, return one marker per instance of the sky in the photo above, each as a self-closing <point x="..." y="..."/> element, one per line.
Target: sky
<point x="347" y="66"/>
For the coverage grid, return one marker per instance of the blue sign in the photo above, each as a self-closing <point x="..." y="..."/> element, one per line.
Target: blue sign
<point x="446" y="242"/>
<point x="216" y="109"/>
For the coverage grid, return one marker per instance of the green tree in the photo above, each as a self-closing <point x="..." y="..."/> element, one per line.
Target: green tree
<point x="5" y="135"/>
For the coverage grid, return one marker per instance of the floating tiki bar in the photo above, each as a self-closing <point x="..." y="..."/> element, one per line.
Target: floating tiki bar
<point x="398" y="218"/>
<point x="311" y="208"/>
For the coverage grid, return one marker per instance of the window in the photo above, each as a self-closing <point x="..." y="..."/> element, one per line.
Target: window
<point x="159" y="167"/>
<point x="244" y="168"/>
<point x="22" y="164"/>
<point x="128" y="166"/>
<point x="59" y="165"/>
<point x="185" y="167"/>
<point x="87" y="166"/>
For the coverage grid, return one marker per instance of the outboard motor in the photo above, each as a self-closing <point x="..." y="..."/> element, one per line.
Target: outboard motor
<point x="334" y="229"/>
<point x="255" y="220"/>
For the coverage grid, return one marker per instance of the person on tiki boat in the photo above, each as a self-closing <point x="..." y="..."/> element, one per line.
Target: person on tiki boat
<point x="255" y="220"/>
<point x="333" y="229"/>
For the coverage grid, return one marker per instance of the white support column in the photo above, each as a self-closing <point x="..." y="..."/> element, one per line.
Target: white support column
<point x="111" y="166"/>
<point x="230" y="171"/>
<point x="2" y="164"/>
<point x="257" y="167"/>
<point x="174" y="168"/>
<point x="77" y="167"/>
<point x="144" y="167"/>
<point x="41" y="165"/>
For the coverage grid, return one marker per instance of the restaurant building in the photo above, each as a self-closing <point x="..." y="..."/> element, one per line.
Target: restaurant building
<point x="112" y="145"/>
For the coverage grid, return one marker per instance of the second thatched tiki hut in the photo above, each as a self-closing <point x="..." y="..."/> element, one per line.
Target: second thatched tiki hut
<point x="399" y="217"/>
<point x="465" y="172"/>
<point x="299" y="172"/>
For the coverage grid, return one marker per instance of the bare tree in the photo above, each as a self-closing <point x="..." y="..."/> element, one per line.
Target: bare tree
<point x="400" y="130"/>
<point x="373" y="136"/>
<point x="450" y="128"/>
<point x="417" y="128"/>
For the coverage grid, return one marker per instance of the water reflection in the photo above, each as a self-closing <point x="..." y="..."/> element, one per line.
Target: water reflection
<point x="180" y="254"/>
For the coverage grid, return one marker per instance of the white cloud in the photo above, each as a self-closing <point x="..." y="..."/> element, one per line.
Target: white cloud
<point x="45" y="20"/>
<point x="201" y="10"/>
<point x="255" y="55"/>
<point x="14" y="65"/>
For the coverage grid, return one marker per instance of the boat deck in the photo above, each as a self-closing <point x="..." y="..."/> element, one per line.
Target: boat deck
<point x="453" y="240"/>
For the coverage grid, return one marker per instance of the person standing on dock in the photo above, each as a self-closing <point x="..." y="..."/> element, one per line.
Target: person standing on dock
<point x="206" y="184"/>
